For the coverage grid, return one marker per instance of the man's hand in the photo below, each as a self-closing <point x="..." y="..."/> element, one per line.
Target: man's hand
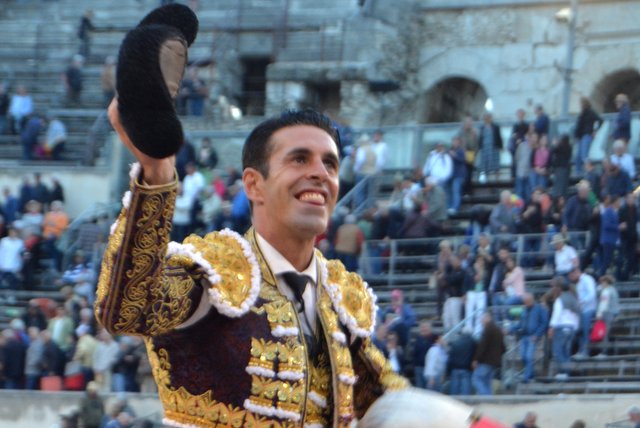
<point x="155" y="171"/>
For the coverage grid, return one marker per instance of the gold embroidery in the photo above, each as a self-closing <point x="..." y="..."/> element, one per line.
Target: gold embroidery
<point x="280" y="313"/>
<point x="356" y="300"/>
<point x="263" y="354"/>
<point x="291" y="357"/>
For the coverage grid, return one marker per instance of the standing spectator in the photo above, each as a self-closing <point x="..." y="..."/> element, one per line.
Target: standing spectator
<point x="608" y="307"/>
<point x="424" y="340"/>
<point x="587" y="125"/>
<point x="57" y="192"/>
<point x="609" y="232"/>
<point x="126" y="366"/>
<point x="40" y="190"/>
<point x="402" y="316"/>
<point x="490" y="143"/>
<point x="73" y="81"/>
<point x="54" y="358"/>
<point x="436" y="206"/>
<point x="108" y="80"/>
<point x="347" y="175"/>
<point x="541" y="124"/>
<point x="475" y="298"/>
<point x="82" y="276"/>
<point x="503" y="216"/>
<point x="181" y="216"/>
<point x="565" y="256"/>
<point x="488" y="356"/>
<point x="348" y="243"/>
<point x="55" y="140"/>
<point x="91" y="407"/>
<point x="522" y="161"/>
<point x="207" y="155"/>
<point x="54" y="224"/>
<point x="469" y="140"/>
<point x="627" y="254"/>
<point x="461" y="351"/>
<point x="623" y="159"/>
<point x="564" y="322"/>
<point x="364" y="166"/>
<point x="4" y="108"/>
<point x="592" y="176"/>
<point x="435" y="365"/>
<point x="15" y="351"/>
<point x="33" y="359"/>
<point x="11" y="259"/>
<point x="532" y="222"/>
<point x="438" y="165"/>
<point x="577" y="214"/>
<point x="10" y="207"/>
<point x="561" y="165"/>
<point x="456" y="279"/>
<point x="193" y="93"/>
<point x="29" y="137"/>
<point x="458" y="175"/>
<point x="61" y="328"/>
<point x="540" y="164"/>
<point x="20" y="108"/>
<point x="530" y="330"/>
<point x="211" y="209"/>
<point x="585" y="288"/>
<point x="34" y="316"/>
<point x="104" y="357"/>
<point x="381" y="150"/>
<point x="622" y="122"/>
<point x="634" y="416"/>
<point x="84" y="33"/>
<point x="85" y="348"/>
<point x="518" y="134"/>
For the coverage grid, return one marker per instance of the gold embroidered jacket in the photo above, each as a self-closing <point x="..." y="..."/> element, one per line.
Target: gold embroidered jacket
<point x="244" y="363"/>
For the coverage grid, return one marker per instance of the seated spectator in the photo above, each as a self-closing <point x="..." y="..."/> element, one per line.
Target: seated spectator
<point x="81" y="275"/>
<point x="475" y="298"/>
<point x="514" y="283"/>
<point x="34" y="316"/>
<point x="616" y="181"/>
<point x="11" y="259"/>
<point x="623" y="159"/>
<point x="503" y="216"/>
<point x="436" y="206"/>
<point x="609" y="232"/>
<point x="565" y="256"/>
<point x="395" y="354"/>
<point x="20" y="108"/>
<point x="402" y="317"/>
<point x="529" y="421"/>
<point x="30" y="136"/>
<point x="55" y="140"/>
<point x="435" y="365"/>
<point x="438" y="166"/>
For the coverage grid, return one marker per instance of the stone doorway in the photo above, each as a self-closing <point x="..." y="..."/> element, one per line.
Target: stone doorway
<point x="625" y="81"/>
<point x="451" y="99"/>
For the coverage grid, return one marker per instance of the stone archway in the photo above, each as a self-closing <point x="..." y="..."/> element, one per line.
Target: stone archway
<point x="451" y="99"/>
<point x="625" y="81"/>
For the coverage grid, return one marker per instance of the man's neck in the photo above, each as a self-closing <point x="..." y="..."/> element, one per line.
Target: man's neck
<point x="297" y="252"/>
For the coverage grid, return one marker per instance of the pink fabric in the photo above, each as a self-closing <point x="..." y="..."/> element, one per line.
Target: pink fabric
<point x="541" y="158"/>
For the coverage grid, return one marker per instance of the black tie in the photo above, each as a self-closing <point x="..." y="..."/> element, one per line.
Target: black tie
<point x="298" y="283"/>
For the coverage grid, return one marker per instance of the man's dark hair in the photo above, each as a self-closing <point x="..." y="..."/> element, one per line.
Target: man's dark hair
<point x="256" y="150"/>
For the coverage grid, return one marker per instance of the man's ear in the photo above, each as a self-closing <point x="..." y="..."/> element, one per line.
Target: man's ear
<point x="253" y="182"/>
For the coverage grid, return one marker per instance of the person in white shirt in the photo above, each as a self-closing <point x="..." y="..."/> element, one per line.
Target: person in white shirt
<point x="435" y="364"/>
<point x="193" y="182"/>
<point x="438" y="165"/>
<point x="20" y="108"/>
<point x="565" y="256"/>
<point x="623" y="159"/>
<point x="11" y="251"/>
<point x="585" y="286"/>
<point x="381" y="150"/>
<point x="564" y="322"/>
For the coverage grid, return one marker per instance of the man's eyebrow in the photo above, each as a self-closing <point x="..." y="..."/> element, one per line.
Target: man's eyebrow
<point x="298" y="151"/>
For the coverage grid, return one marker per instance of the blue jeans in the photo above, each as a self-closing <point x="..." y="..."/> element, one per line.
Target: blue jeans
<point x="561" y="346"/>
<point x="585" y="327"/>
<point x="527" y="353"/>
<point x="455" y="192"/>
<point x="536" y="180"/>
<point x="418" y="377"/>
<point x="460" y="382"/>
<point x="583" y="151"/>
<point x="481" y="379"/>
<point x="522" y="188"/>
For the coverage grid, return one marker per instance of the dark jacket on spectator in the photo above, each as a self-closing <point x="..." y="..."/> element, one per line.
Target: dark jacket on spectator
<point x="461" y="352"/>
<point x="577" y="213"/>
<point x="588" y="122"/>
<point x="420" y="348"/>
<point x="491" y="346"/>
